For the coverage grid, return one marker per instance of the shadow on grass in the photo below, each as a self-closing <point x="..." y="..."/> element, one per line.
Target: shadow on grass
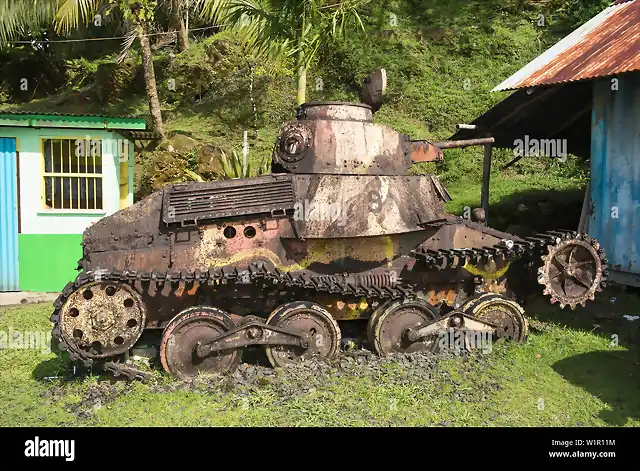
<point x="539" y="210"/>
<point x="612" y="376"/>
<point x="601" y="316"/>
<point x="64" y="369"/>
<point x="530" y="211"/>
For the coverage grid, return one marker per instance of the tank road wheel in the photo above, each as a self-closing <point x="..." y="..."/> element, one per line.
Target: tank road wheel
<point x="373" y="320"/>
<point x="185" y="332"/>
<point x="389" y="328"/>
<point x="505" y="313"/>
<point x="467" y="306"/>
<point x="102" y="319"/>
<point x="572" y="271"/>
<point x="322" y="331"/>
<point x="469" y="302"/>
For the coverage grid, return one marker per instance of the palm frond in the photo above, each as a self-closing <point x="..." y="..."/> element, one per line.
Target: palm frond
<point x="131" y="36"/>
<point x="271" y="28"/>
<point x="268" y="32"/>
<point x="211" y="10"/>
<point x="236" y="164"/>
<point x="193" y="175"/>
<point x="73" y="12"/>
<point x="228" y="170"/>
<point x="17" y="16"/>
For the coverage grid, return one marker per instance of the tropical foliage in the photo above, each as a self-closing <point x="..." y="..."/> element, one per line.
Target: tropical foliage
<point x="234" y="167"/>
<point x="291" y="28"/>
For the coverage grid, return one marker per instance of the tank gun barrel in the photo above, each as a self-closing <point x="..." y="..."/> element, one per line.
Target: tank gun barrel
<point x="464" y="143"/>
<point x="426" y="151"/>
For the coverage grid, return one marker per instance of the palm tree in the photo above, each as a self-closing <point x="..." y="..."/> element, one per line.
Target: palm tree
<point x="286" y="27"/>
<point x="18" y="16"/>
<point x="140" y="14"/>
<point x="177" y="10"/>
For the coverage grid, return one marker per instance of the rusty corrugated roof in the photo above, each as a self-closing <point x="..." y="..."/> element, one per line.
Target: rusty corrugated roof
<point x="606" y="45"/>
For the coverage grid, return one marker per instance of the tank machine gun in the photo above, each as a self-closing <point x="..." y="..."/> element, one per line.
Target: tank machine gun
<point x="340" y="233"/>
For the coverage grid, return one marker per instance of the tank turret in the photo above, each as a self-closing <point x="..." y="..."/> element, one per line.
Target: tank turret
<point x="341" y="138"/>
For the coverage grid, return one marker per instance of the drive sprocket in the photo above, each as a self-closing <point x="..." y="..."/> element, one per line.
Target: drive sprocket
<point x="573" y="270"/>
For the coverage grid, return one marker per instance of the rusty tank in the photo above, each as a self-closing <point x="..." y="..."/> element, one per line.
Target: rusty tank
<point x="340" y="240"/>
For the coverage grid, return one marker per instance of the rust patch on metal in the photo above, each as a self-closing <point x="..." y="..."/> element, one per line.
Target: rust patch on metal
<point x="423" y="151"/>
<point x="436" y="298"/>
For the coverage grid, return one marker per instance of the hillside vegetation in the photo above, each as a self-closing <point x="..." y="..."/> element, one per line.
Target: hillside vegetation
<point x="442" y="59"/>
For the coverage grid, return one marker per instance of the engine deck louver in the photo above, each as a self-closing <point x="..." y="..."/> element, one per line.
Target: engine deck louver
<point x="189" y="203"/>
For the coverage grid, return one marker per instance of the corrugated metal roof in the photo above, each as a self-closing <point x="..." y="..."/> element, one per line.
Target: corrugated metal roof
<point x="89" y="115"/>
<point x="69" y="120"/>
<point x="606" y="45"/>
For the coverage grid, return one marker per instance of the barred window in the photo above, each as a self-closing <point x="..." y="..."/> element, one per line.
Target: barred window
<point x="72" y="174"/>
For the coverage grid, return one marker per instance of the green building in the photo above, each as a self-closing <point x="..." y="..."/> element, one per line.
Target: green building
<point x="58" y="175"/>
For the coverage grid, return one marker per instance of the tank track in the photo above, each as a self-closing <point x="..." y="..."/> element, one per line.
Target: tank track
<point x="375" y="287"/>
<point x="372" y="287"/>
<point x="506" y="249"/>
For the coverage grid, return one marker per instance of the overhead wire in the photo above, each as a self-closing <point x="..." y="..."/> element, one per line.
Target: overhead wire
<point x="47" y="41"/>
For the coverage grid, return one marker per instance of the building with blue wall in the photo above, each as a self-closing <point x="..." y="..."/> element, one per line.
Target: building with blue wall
<point x="58" y="175"/>
<point x="615" y="174"/>
<point x="585" y="90"/>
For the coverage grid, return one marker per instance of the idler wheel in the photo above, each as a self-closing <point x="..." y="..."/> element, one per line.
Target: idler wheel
<point x="572" y="271"/>
<point x="188" y="330"/>
<point x="389" y="328"/>
<point x="103" y="319"/>
<point x="506" y="314"/>
<point x="314" y="322"/>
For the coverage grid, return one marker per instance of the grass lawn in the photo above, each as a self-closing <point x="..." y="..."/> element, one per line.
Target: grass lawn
<point x="569" y="373"/>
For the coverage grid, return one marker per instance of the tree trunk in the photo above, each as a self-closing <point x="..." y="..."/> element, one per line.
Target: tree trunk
<point x="302" y="83"/>
<point x="177" y="19"/>
<point x="183" y="37"/>
<point x="302" y="69"/>
<point x="150" y="79"/>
